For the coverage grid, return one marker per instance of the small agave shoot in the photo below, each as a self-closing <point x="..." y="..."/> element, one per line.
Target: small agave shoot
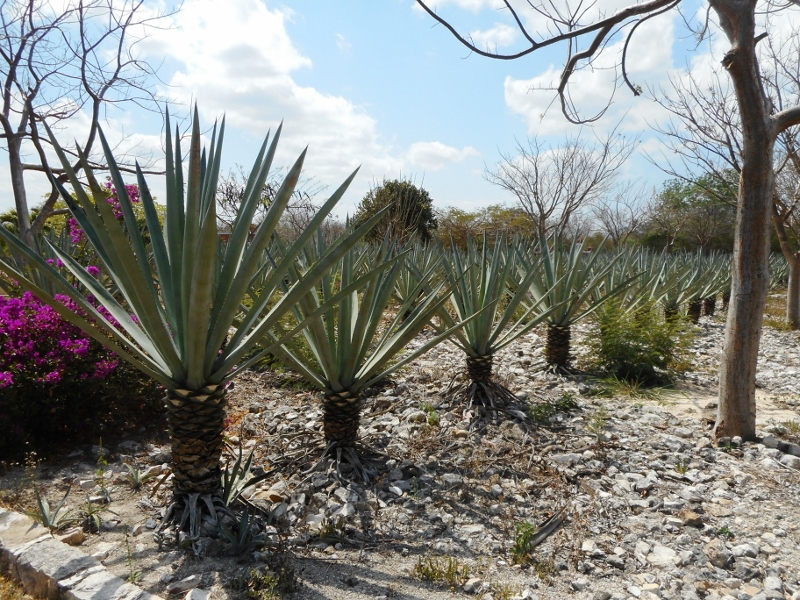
<point x="351" y="344"/>
<point x="489" y="299"/>
<point x="177" y="312"/>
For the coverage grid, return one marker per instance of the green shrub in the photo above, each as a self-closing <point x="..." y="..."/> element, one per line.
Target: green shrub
<point x="640" y="345"/>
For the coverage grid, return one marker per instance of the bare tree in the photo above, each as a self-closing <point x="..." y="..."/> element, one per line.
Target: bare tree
<point x="584" y="33"/>
<point x="298" y="213"/>
<point x="56" y="65"/>
<point x="706" y="136"/>
<point x="621" y="213"/>
<point x="554" y="184"/>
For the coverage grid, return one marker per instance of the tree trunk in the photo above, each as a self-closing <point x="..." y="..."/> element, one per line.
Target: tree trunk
<point x="20" y="195"/>
<point x="793" y="293"/>
<point x="341" y="415"/>
<point x="557" y="346"/>
<point x="793" y="260"/>
<point x="479" y="368"/>
<point x="709" y="306"/>
<point x="196" y="425"/>
<point x="750" y="269"/>
<point x="694" y="310"/>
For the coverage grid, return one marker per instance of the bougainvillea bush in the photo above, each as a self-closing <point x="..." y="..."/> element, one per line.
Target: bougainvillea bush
<point x="57" y="385"/>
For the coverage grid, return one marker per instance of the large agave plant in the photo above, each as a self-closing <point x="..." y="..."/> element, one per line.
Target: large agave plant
<point x="492" y="284"/>
<point x="354" y="339"/>
<point x="182" y="320"/>
<point x="571" y="287"/>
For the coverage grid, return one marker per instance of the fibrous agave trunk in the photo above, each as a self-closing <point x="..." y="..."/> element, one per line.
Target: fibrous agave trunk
<point x="557" y="347"/>
<point x="671" y="314"/>
<point x="726" y="299"/>
<point x="341" y="414"/>
<point x="709" y="306"/>
<point x="694" y="309"/>
<point x="196" y="424"/>
<point x="479" y="368"/>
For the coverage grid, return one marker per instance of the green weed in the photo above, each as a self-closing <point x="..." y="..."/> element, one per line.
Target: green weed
<point x="442" y="570"/>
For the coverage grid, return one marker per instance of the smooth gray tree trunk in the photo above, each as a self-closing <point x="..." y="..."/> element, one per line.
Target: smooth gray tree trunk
<point x="750" y="270"/>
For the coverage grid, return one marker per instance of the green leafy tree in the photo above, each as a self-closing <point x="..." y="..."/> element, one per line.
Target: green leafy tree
<point x="410" y="213"/>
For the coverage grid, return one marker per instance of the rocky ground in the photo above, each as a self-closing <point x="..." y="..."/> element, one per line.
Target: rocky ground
<point x="648" y="507"/>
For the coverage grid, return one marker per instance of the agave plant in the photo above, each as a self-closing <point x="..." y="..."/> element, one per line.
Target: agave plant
<point x="710" y="275"/>
<point x="353" y="339"/>
<point x="492" y="284"/>
<point x="571" y="287"/>
<point x="182" y="321"/>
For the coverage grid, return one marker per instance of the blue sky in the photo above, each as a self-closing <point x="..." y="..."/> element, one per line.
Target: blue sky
<point x="375" y="83"/>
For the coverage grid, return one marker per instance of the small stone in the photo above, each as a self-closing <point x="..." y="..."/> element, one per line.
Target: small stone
<point x="72" y="537"/>
<point x="184" y="585"/>
<point x="790" y="461"/>
<point x="717" y="554"/>
<point x="460" y="434"/>
<point x="690" y="518"/>
<point x="747" y="549"/>
<point x="773" y="583"/>
<point x="600" y="595"/>
<point x="652" y="588"/>
<point x="580" y="584"/>
<point x="662" y="556"/>
<point x="473" y="585"/>
<point x="198" y="594"/>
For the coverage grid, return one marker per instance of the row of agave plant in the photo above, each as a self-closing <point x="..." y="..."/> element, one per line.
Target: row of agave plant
<point x="192" y="310"/>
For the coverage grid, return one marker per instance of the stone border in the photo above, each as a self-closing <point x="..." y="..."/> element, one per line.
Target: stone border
<point x="48" y="568"/>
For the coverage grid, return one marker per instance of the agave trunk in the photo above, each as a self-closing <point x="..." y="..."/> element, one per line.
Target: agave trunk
<point x="196" y="423"/>
<point x="671" y="314"/>
<point x="479" y="368"/>
<point x="709" y="306"/>
<point x="694" y="309"/>
<point x="556" y="350"/>
<point x="341" y="414"/>
<point x="726" y="299"/>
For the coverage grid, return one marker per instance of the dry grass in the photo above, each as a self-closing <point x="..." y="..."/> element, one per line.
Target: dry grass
<point x="775" y="311"/>
<point x="11" y="590"/>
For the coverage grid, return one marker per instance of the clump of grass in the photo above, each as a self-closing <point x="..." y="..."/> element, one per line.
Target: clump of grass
<point x="615" y="387"/>
<point x="597" y="420"/>
<point x="442" y="570"/>
<point x="542" y="412"/>
<point x="11" y="590"/>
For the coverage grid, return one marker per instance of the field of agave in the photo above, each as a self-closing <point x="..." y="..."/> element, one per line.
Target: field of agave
<point x="191" y="308"/>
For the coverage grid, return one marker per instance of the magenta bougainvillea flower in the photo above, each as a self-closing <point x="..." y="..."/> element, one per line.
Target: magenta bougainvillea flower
<point x="75" y="231"/>
<point x="38" y="346"/>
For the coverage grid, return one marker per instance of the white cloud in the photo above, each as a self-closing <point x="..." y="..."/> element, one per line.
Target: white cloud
<point x="241" y="62"/>
<point x="470" y="5"/>
<point x="343" y="43"/>
<point x="499" y="36"/>
<point x="434" y="156"/>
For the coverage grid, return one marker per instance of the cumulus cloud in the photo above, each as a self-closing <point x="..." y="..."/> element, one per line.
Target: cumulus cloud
<point x="434" y="156"/>
<point x="470" y="5"/>
<point x="241" y="61"/>
<point x="499" y="36"/>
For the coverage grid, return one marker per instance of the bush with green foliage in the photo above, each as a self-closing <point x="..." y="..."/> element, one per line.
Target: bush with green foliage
<point x="411" y="213"/>
<point x="640" y="345"/>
